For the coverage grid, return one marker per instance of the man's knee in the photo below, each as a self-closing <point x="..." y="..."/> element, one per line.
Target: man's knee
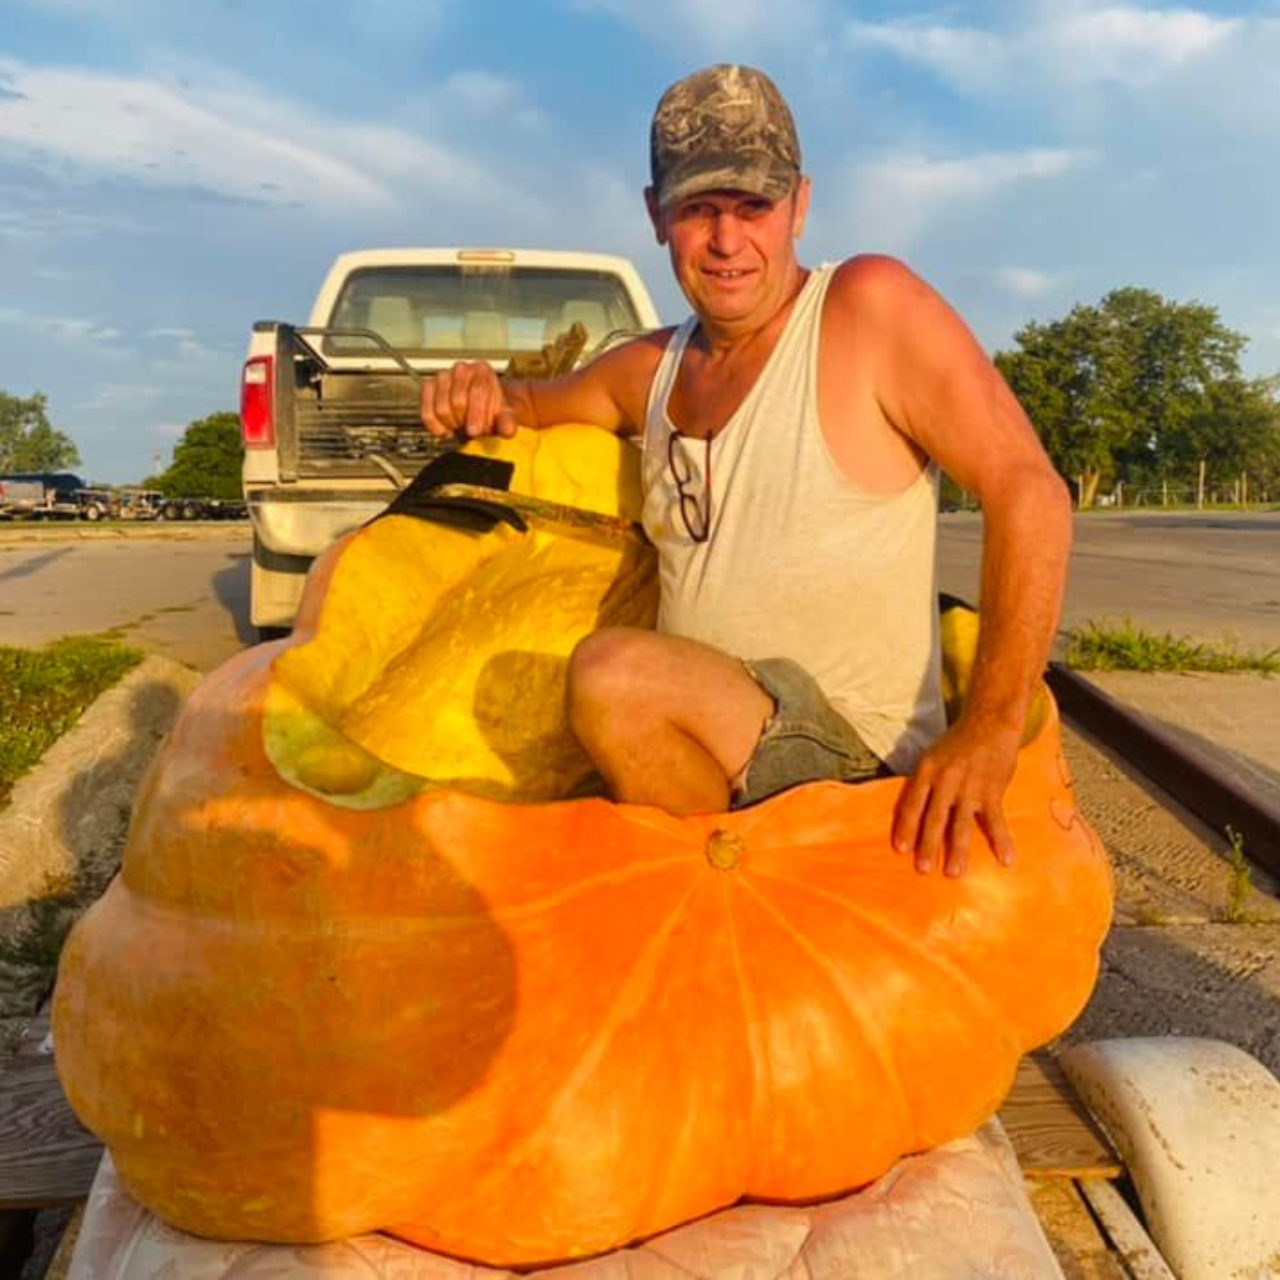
<point x="607" y="669"/>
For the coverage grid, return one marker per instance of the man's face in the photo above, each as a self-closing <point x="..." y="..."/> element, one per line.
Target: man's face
<point x="733" y="253"/>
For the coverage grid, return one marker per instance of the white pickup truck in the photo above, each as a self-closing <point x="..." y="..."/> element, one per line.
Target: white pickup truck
<point x="329" y="410"/>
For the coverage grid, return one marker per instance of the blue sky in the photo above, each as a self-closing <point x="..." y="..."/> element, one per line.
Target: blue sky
<point x="171" y="172"/>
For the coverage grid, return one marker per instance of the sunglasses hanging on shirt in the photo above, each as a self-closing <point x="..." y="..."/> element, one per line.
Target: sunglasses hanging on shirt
<point x="695" y="515"/>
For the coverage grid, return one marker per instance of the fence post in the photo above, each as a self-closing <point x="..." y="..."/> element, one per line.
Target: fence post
<point x="1164" y="491"/>
<point x="1200" y="488"/>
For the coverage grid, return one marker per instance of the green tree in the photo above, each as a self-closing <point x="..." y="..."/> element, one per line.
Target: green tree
<point x="1130" y="388"/>
<point x="1233" y="430"/>
<point x="1074" y="377"/>
<point x="28" y="440"/>
<point x="206" y="461"/>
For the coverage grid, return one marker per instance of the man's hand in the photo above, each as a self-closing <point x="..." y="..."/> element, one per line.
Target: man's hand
<point x="467" y="400"/>
<point x="959" y="783"/>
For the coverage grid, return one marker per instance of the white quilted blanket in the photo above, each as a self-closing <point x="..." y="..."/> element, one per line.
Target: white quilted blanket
<point x="957" y="1213"/>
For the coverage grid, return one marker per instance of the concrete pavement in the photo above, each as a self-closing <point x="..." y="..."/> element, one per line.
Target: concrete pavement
<point x="1230" y="721"/>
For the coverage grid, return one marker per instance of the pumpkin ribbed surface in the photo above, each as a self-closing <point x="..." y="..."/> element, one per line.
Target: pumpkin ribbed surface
<point x="524" y="1032"/>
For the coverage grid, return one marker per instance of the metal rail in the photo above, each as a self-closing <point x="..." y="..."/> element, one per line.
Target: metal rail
<point x="1208" y="791"/>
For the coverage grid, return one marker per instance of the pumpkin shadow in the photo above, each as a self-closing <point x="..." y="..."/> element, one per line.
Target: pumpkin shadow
<point x="315" y="981"/>
<point x="445" y="982"/>
<point x="529" y="758"/>
<point x="542" y="679"/>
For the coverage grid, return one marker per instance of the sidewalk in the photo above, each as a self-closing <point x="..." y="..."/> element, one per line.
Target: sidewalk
<point x="1232" y="722"/>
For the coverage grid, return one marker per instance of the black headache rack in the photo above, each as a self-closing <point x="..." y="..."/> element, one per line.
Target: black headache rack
<point x="343" y="422"/>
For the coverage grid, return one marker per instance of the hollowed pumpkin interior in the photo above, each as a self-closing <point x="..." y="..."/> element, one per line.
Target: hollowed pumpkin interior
<point x="437" y="657"/>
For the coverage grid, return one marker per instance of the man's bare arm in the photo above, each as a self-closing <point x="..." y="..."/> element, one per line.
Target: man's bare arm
<point x="610" y="392"/>
<point x="936" y="385"/>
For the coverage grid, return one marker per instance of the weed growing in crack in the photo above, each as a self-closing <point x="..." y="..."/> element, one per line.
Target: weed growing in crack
<point x="1239" y="881"/>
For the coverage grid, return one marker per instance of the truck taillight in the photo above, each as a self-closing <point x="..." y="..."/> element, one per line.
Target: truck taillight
<point x="257" y="409"/>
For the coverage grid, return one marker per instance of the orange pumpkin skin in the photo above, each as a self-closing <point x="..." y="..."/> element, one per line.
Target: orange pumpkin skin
<point x="523" y="1033"/>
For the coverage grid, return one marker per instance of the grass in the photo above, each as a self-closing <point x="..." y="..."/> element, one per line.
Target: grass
<point x="43" y="692"/>
<point x="1125" y="647"/>
<point x="1239" y="882"/>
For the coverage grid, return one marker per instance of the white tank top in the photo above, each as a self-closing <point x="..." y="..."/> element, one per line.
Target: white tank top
<point x="801" y="562"/>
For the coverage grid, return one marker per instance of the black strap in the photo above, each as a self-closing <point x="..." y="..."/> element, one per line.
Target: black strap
<point x="419" y="499"/>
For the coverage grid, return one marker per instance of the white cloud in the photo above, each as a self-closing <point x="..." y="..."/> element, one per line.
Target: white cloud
<point x="187" y="345"/>
<point x="490" y="97"/>
<point x="1135" y="45"/>
<point x="1027" y="282"/>
<point x="50" y="222"/>
<point x="1117" y="44"/>
<point x="165" y="431"/>
<point x="894" y="199"/>
<point x="112" y="397"/>
<point x="72" y="328"/>
<point x="965" y="55"/>
<point x="102" y="8"/>
<point x="225" y="137"/>
<point x="163" y="135"/>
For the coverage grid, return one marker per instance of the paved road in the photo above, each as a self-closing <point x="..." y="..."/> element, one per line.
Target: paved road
<point x="185" y="593"/>
<point x="1209" y="577"/>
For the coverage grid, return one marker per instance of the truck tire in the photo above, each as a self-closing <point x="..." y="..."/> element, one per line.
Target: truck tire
<point x="92" y="512"/>
<point x="190" y="511"/>
<point x="170" y="511"/>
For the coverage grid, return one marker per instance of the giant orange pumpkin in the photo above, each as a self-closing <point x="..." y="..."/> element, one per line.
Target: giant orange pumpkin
<point x="334" y="989"/>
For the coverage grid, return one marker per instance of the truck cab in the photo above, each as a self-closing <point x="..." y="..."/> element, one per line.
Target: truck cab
<point x="329" y="410"/>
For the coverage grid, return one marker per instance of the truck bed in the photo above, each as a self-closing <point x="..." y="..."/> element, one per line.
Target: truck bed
<point x="334" y="421"/>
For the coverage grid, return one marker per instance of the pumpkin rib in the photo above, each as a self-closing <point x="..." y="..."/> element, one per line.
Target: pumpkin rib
<point x="676" y="1140"/>
<point x="615" y="876"/>
<point x="870" y="1033"/>
<point x="955" y="976"/>
<point x="761" y="1069"/>
<point x="582" y="1069"/>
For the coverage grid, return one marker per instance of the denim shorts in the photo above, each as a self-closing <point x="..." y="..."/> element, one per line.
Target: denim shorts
<point x="805" y="740"/>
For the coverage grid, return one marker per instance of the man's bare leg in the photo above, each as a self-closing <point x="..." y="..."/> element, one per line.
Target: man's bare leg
<point x="667" y="721"/>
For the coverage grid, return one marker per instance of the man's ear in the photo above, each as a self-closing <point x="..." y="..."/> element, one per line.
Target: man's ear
<point x="656" y="215"/>
<point x="801" y="208"/>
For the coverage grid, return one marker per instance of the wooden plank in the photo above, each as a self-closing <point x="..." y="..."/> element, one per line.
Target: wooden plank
<point x="47" y="1157"/>
<point x="1083" y="1252"/>
<point x="1052" y="1133"/>
<point x="60" y="1267"/>
<point x="1141" y="1257"/>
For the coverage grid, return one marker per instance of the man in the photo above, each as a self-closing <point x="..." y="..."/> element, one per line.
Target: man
<point x="792" y="431"/>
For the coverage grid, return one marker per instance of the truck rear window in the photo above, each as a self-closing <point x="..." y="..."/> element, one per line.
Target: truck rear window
<point x="451" y="312"/>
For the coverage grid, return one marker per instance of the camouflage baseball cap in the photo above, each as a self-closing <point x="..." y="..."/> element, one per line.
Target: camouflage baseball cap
<point x="723" y="128"/>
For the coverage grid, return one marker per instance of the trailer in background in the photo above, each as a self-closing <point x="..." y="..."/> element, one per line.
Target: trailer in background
<point x="40" y="495"/>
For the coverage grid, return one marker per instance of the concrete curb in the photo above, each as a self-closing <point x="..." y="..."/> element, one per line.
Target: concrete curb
<point x="70" y="813"/>
<point x="161" y="531"/>
<point x="1207" y="786"/>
